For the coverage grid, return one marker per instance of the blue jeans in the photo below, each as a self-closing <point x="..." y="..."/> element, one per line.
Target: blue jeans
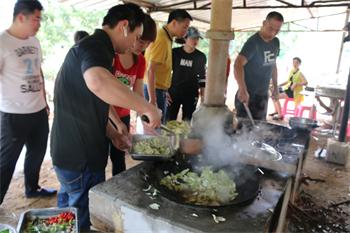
<point x="161" y="100"/>
<point x="74" y="192"/>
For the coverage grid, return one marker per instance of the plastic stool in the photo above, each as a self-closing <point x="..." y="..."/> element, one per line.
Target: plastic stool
<point x="301" y="108"/>
<point x="286" y="110"/>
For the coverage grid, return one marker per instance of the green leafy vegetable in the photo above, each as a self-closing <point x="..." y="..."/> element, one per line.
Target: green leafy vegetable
<point x="153" y="146"/>
<point x="208" y="188"/>
<point x="179" y="127"/>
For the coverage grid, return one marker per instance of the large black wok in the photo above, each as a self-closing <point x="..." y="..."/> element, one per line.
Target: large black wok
<point x="246" y="178"/>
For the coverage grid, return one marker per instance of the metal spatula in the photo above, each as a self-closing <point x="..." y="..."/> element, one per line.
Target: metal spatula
<point x="163" y="127"/>
<point x="249" y="113"/>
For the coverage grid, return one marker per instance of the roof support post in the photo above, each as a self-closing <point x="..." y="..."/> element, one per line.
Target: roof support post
<point x="342" y="39"/>
<point x="219" y="36"/>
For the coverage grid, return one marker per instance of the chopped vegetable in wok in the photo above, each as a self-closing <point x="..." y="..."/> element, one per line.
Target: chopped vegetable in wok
<point x="207" y="188"/>
<point x="153" y="146"/>
<point x="179" y="127"/>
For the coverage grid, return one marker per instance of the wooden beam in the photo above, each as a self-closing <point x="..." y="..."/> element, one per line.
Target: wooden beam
<point x="285" y="2"/>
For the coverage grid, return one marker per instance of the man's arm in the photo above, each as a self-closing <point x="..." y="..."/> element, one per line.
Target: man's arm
<point x="120" y="141"/>
<point x="44" y="92"/>
<point x="138" y="87"/>
<point x="103" y="84"/>
<point x="239" y="64"/>
<point x="201" y="79"/>
<point x="151" y="82"/>
<point x="113" y="116"/>
<point x="274" y="82"/>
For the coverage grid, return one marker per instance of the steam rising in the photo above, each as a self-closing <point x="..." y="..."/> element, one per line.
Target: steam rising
<point x="222" y="149"/>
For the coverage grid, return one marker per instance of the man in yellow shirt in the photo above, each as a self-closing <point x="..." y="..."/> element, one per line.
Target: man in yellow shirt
<point x="159" y="58"/>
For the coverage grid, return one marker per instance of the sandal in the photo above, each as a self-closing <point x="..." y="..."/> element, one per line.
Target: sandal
<point x="277" y="118"/>
<point x="274" y="113"/>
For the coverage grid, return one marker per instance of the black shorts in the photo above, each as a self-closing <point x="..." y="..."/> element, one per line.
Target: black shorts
<point x="289" y="93"/>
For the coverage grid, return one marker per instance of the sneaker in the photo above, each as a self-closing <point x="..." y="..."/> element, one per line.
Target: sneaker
<point x="273" y="114"/>
<point x="42" y="192"/>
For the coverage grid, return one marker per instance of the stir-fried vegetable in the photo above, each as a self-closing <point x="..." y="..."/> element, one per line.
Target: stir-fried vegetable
<point x="153" y="146"/>
<point x="179" y="127"/>
<point x="208" y="188"/>
<point x="63" y="222"/>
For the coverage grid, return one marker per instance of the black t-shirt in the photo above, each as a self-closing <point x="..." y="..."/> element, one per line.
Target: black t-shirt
<point x="261" y="57"/>
<point x="188" y="69"/>
<point x="78" y="136"/>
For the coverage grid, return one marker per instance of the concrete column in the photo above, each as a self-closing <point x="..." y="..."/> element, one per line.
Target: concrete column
<point x="219" y="34"/>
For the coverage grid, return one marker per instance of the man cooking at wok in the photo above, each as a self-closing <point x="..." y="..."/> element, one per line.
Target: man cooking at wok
<point x="255" y="66"/>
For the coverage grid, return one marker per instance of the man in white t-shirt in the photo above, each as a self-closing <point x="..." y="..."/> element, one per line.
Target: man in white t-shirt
<point x="23" y="106"/>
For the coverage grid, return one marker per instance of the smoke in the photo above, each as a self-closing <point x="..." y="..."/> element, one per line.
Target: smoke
<point x="221" y="149"/>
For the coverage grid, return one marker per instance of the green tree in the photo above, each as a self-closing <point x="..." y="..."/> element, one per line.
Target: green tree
<point x="57" y="30"/>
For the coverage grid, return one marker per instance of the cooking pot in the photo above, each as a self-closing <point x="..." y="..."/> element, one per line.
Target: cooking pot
<point x="302" y="123"/>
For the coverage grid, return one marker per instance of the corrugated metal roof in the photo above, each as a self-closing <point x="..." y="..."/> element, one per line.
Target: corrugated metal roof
<point x="308" y="15"/>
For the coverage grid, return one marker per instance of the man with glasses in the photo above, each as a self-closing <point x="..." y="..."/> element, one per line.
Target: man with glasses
<point x="85" y="87"/>
<point x="23" y="106"/>
<point x="255" y="66"/>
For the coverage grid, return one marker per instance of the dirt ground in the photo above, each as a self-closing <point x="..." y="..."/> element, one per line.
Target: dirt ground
<point x="15" y="201"/>
<point x="334" y="189"/>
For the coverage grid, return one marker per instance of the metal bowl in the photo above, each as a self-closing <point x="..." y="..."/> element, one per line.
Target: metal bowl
<point x="265" y="152"/>
<point x="43" y="214"/>
<point x="170" y="141"/>
<point x="302" y="123"/>
<point x="4" y="227"/>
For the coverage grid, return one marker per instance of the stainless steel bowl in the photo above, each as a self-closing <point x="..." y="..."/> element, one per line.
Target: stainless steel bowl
<point x="265" y="152"/>
<point x="170" y="141"/>
<point x="4" y="227"/>
<point x="44" y="213"/>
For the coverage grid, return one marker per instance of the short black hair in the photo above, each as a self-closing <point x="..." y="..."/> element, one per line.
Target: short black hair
<point x="26" y="7"/>
<point x="149" y="29"/>
<point x="179" y="15"/>
<point x="129" y="11"/>
<point x="298" y="59"/>
<point x="275" y="15"/>
<point x="78" y="35"/>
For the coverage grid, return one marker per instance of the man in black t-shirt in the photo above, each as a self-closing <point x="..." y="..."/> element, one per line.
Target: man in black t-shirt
<point x="84" y="89"/>
<point x="188" y="77"/>
<point x="255" y="66"/>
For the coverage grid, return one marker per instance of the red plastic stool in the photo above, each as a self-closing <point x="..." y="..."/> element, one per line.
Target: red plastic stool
<point x="299" y="112"/>
<point x="288" y="111"/>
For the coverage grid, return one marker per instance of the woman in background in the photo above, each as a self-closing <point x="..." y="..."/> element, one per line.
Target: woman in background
<point x="129" y="68"/>
<point x="292" y="89"/>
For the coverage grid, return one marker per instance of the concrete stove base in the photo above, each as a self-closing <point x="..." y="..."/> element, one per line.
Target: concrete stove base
<point x="121" y="205"/>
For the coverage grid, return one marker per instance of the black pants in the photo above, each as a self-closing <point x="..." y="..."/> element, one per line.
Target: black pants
<point x="188" y="100"/>
<point x="257" y="106"/>
<point x="17" y="130"/>
<point x="118" y="156"/>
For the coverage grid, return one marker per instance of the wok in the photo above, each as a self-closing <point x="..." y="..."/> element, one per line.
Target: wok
<point x="246" y="178"/>
<point x="302" y="123"/>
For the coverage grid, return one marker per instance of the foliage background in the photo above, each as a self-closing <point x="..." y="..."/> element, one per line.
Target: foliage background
<point x="318" y="50"/>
